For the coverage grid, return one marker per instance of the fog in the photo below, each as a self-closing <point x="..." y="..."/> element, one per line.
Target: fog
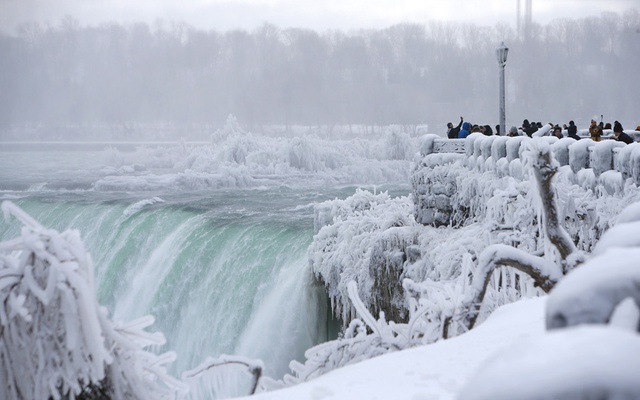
<point x="125" y="80"/>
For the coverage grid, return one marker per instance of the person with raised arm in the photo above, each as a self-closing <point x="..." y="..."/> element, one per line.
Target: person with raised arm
<point x="452" y="133"/>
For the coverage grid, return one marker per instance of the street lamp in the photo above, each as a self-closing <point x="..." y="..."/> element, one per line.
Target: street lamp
<point x="501" y="53"/>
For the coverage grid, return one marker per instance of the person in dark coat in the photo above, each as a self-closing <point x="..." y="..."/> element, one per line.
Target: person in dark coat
<point x="620" y="135"/>
<point x="452" y="133"/>
<point x="487" y="130"/>
<point x="618" y="125"/>
<point x="572" y="131"/>
<point x="464" y="132"/>
<point x="529" y="128"/>
<point x="526" y="126"/>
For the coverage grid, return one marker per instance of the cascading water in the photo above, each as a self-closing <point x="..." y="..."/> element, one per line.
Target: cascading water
<point x="219" y="279"/>
<point x="213" y="247"/>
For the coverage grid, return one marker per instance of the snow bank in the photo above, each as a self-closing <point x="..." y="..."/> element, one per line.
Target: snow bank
<point x="622" y="235"/>
<point x="589" y="294"/>
<point x="578" y="363"/>
<point x="631" y="213"/>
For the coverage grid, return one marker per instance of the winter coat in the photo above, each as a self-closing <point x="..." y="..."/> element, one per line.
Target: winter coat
<point x="573" y="132"/>
<point x="623" y="137"/>
<point x="453" y="132"/>
<point x="533" y="128"/>
<point x="596" y="132"/>
<point x="464" y="132"/>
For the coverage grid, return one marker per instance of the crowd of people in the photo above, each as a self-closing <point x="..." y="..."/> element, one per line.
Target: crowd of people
<point x="535" y="129"/>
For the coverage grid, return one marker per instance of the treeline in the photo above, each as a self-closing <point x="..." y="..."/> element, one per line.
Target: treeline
<point x="405" y="74"/>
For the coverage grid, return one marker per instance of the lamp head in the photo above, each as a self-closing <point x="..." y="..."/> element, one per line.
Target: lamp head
<point x="501" y="53"/>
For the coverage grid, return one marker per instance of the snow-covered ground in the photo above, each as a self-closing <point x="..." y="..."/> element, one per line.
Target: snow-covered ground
<point x="437" y="371"/>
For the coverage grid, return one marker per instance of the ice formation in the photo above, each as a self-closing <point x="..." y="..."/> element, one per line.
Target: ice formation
<point x="239" y="159"/>
<point x="466" y="207"/>
<point x="57" y="342"/>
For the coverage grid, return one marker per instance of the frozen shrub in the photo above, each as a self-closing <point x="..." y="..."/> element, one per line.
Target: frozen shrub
<point x="56" y="341"/>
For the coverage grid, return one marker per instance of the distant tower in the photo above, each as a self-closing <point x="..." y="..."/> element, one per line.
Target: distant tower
<point x="519" y="21"/>
<point x="523" y="25"/>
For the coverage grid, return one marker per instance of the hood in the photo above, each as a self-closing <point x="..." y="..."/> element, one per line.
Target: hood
<point x="466" y="126"/>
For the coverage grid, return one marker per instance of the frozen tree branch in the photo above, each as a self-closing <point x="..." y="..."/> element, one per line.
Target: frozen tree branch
<point x="544" y="274"/>
<point x="356" y="345"/>
<point x="254" y="367"/>
<point x="56" y="341"/>
<point x="544" y="169"/>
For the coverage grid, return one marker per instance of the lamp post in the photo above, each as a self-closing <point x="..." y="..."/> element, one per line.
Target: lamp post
<point x="501" y="53"/>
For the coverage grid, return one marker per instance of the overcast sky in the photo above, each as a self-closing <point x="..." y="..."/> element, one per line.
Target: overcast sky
<point x="315" y="14"/>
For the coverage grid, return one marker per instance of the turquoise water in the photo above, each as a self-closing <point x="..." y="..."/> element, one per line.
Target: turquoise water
<point x="223" y="271"/>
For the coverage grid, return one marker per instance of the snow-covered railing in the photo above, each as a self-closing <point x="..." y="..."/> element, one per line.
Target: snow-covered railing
<point x="449" y="146"/>
<point x="444" y="196"/>
<point x="600" y="156"/>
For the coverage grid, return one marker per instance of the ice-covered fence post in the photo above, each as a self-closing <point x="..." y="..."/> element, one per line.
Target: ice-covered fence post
<point x="579" y="154"/>
<point x="601" y="156"/>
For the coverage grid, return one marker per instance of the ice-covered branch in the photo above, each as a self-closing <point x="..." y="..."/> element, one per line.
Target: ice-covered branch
<point x="361" y="309"/>
<point x="202" y="374"/>
<point x="356" y="345"/>
<point x="544" y="169"/>
<point x="544" y="274"/>
<point x="56" y="341"/>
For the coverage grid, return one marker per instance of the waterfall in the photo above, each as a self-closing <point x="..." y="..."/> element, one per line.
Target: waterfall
<point x="223" y="273"/>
